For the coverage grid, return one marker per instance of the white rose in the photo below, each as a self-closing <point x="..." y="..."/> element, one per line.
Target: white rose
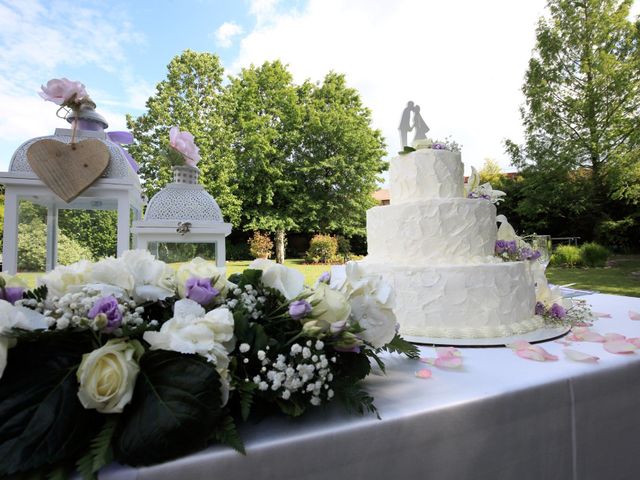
<point x="377" y="320"/>
<point x="112" y="271"/>
<point x="261" y="264"/>
<point x="286" y="280"/>
<point x="193" y="330"/>
<point x="154" y="279"/>
<point x="16" y="317"/>
<point x="200" y="268"/>
<point x="107" y="376"/>
<point x="61" y="279"/>
<point x="328" y="307"/>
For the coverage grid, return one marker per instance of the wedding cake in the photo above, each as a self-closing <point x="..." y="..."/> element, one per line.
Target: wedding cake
<point x="436" y="248"/>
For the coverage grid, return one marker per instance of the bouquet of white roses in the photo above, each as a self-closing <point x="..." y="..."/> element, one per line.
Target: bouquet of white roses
<point x="127" y="359"/>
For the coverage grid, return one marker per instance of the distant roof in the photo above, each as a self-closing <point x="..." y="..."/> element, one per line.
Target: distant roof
<point x="381" y="195"/>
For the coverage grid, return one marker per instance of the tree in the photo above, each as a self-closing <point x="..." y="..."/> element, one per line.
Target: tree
<point x="263" y="108"/>
<point x="582" y="111"/>
<point x="307" y="157"/>
<point x="339" y="159"/>
<point x="491" y="172"/>
<point x="190" y="98"/>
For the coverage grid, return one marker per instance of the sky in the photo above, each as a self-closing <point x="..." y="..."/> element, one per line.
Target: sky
<point x="462" y="61"/>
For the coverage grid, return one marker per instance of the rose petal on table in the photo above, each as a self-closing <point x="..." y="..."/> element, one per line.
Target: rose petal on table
<point x="601" y="315"/>
<point x="579" y="356"/>
<point x="620" y="346"/>
<point x="583" y="334"/>
<point x="609" y="337"/>
<point x="424" y="373"/>
<point x="448" y="352"/>
<point x="531" y="352"/>
<point x="633" y="315"/>
<point x="635" y="341"/>
<point x="427" y="360"/>
<point x="448" y="362"/>
<point x="563" y="342"/>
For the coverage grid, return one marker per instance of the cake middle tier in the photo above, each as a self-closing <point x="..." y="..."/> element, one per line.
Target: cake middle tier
<point x="435" y="231"/>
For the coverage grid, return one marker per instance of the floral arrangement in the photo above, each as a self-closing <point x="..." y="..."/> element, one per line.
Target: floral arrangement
<point x="182" y="148"/>
<point x="142" y="364"/>
<point x="66" y="93"/>
<point x="446" y="144"/>
<point x="474" y="189"/>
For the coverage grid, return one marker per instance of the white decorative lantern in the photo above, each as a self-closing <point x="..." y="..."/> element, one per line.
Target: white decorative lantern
<point x="118" y="188"/>
<point x="183" y="214"/>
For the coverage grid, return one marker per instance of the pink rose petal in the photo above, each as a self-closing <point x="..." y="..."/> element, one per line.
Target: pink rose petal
<point x="635" y="341"/>
<point x="634" y="315"/>
<point x="579" y="356"/>
<point x="563" y="342"/>
<point x="601" y="315"/>
<point x="620" y="346"/>
<point x="530" y="355"/>
<point x="424" y="373"/>
<point x="448" y="362"/>
<point x="583" y="334"/>
<point x="427" y="360"/>
<point x="609" y="337"/>
<point x="447" y="352"/>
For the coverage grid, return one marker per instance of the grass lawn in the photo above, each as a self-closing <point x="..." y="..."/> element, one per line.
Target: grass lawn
<point x="616" y="278"/>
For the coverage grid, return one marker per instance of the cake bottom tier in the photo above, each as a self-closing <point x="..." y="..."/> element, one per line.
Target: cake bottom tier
<point x="461" y="301"/>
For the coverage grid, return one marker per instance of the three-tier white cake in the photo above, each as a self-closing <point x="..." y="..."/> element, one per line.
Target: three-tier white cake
<point x="436" y="248"/>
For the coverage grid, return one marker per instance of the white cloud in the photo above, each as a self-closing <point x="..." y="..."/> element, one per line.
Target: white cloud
<point x="225" y="33"/>
<point x="462" y="61"/>
<point x="263" y="10"/>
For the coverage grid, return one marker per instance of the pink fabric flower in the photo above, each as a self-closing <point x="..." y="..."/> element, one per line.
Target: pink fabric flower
<point x="183" y="143"/>
<point x="63" y="91"/>
<point x="531" y="352"/>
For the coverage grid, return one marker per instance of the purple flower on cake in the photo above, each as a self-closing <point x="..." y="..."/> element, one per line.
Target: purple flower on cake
<point x="299" y="309"/>
<point x="557" y="311"/>
<point x="63" y="91"/>
<point x="183" y="143"/>
<point x="106" y="310"/>
<point x="540" y="308"/>
<point x="439" y="146"/>
<point x="325" y="277"/>
<point x="200" y="290"/>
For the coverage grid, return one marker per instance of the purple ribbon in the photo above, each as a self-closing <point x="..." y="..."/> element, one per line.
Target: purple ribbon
<point x="124" y="138"/>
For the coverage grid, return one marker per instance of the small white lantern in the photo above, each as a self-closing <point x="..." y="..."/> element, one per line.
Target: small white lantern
<point x="183" y="213"/>
<point x="118" y="188"/>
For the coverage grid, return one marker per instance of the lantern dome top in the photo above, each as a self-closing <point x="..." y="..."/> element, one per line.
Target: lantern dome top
<point x="119" y="166"/>
<point x="183" y="200"/>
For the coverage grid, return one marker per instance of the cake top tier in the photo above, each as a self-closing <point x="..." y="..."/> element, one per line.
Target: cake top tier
<point x="426" y="174"/>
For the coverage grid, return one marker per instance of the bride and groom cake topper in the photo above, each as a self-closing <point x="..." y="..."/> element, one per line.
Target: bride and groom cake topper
<point x="407" y="124"/>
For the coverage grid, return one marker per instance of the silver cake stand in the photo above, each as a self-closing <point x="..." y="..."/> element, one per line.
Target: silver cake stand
<point x="545" y="334"/>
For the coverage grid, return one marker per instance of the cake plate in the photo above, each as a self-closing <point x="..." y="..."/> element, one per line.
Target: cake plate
<point x="537" y="336"/>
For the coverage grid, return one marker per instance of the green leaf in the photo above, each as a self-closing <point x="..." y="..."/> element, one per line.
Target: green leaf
<point x="401" y="346"/>
<point x="38" y="294"/>
<point x="42" y="422"/>
<point x="354" y="366"/>
<point x="407" y="150"/>
<point x="354" y="398"/>
<point x="227" y="434"/>
<point x="246" y="393"/>
<point x="176" y="404"/>
<point x="100" y="452"/>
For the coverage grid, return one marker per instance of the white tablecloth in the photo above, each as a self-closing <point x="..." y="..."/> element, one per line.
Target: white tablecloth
<point x="498" y="417"/>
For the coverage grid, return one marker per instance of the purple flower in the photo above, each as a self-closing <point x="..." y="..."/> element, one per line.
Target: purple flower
<point x="557" y="311"/>
<point x="501" y="246"/>
<point x="324" y="278"/>
<point x="107" y="306"/>
<point x="299" y="309"/>
<point x="200" y="290"/>
<point x="438" y="146"/>
<point x="535" y="255"/>
<point x="11" y="294"/>
<point x="539" y="308"/>
<point x="512" y="247"/>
